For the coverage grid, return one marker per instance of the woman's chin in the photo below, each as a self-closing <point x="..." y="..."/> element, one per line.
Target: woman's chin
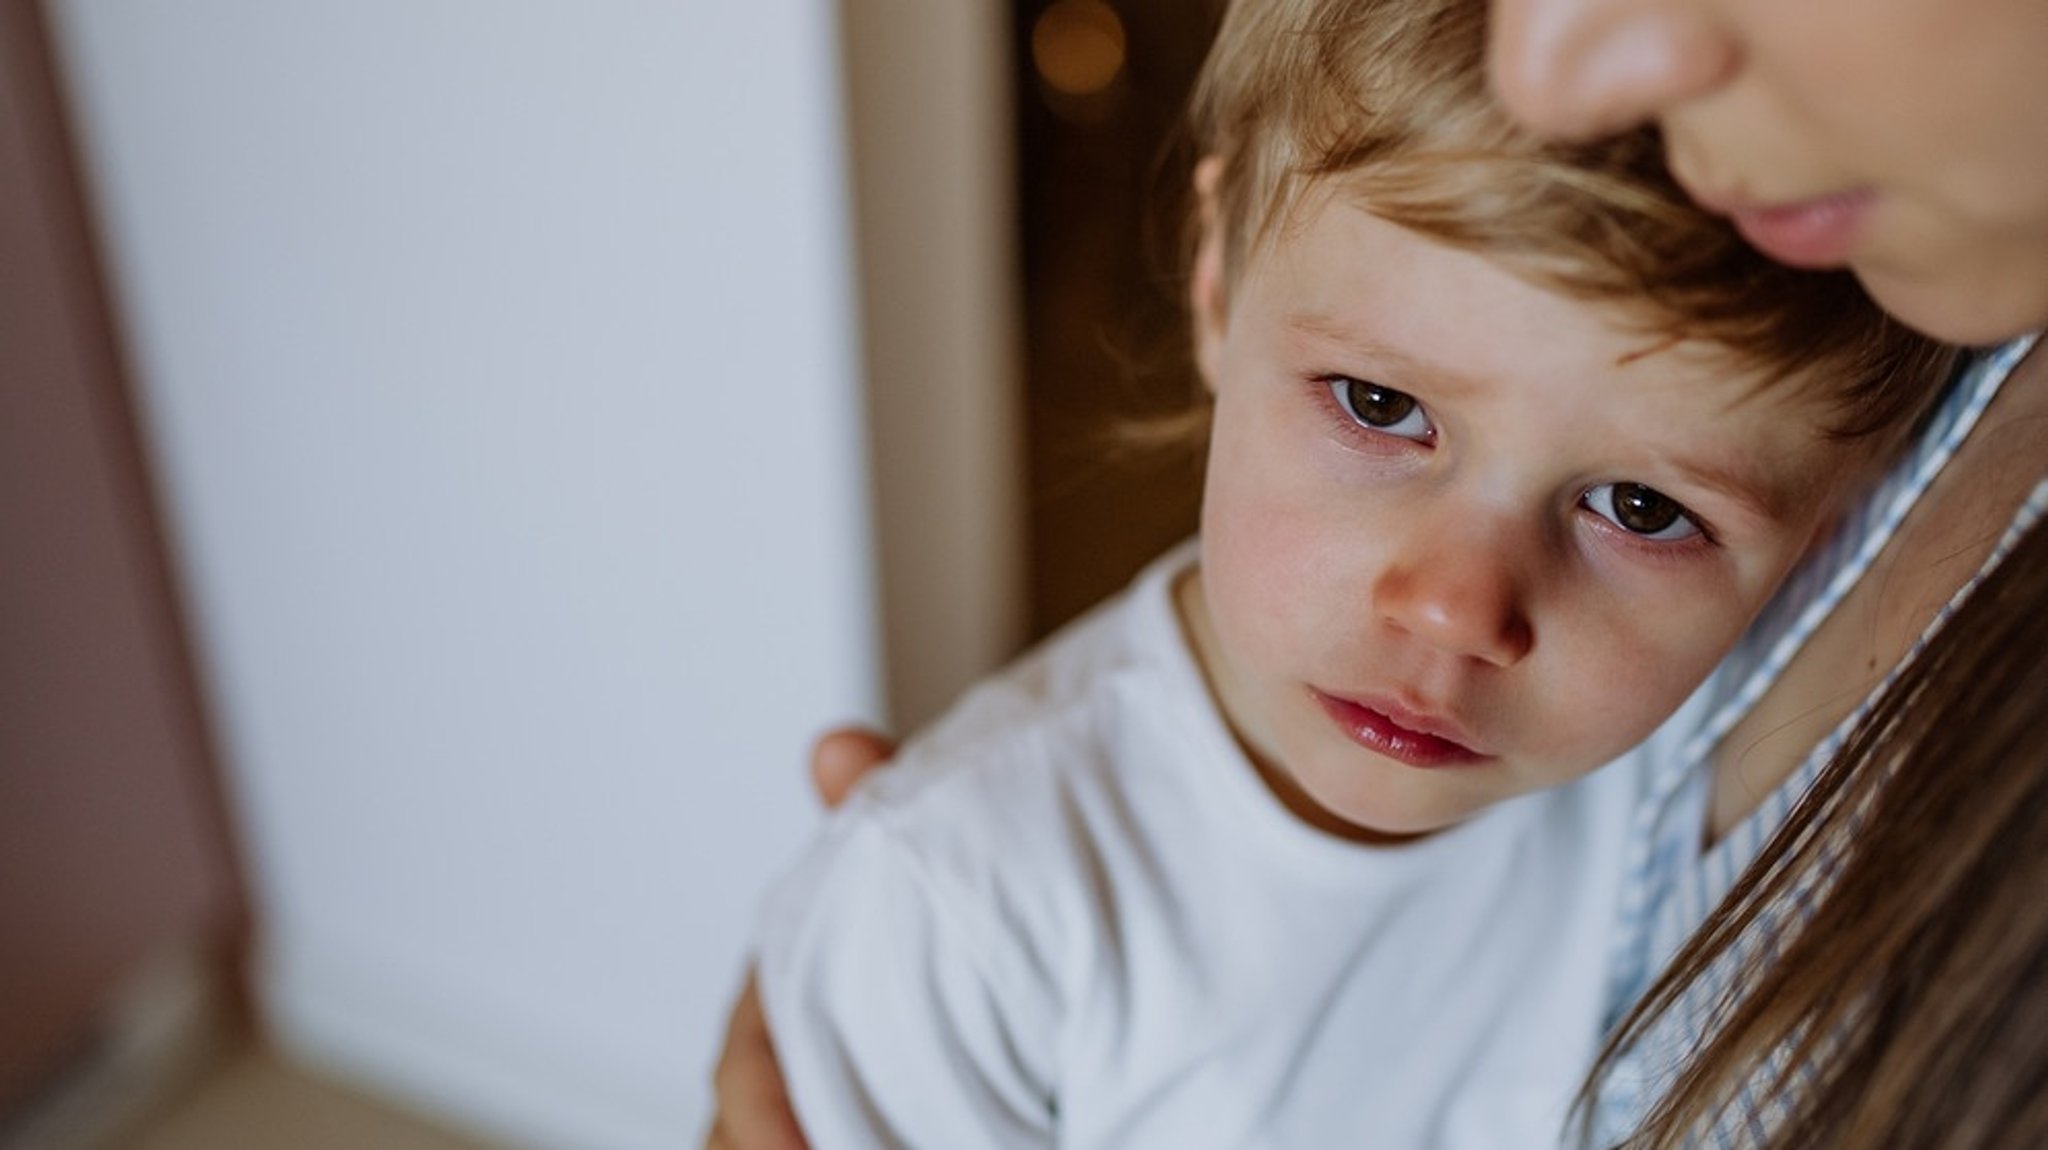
<point x="1969" y="305"/>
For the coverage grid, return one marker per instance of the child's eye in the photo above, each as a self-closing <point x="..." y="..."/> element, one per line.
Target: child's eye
<point x="1383" y="409"/>
<point x="1643" y="511"/>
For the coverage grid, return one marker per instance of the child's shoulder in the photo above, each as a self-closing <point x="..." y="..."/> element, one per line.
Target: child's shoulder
<point x="1045" y="712"/>
<point x="1072" y="726"/>
<point x="962" y="890"/>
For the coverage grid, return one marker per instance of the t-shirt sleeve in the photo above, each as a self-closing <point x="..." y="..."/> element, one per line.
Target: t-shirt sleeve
<point x="897" y="1019"/>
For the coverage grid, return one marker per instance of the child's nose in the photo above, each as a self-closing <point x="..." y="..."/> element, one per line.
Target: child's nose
<point x="1577" y="68"/>
<point x="1457" y="592"/>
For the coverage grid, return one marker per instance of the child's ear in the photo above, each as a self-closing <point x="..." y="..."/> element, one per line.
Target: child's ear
<point x="1207" y="302"/>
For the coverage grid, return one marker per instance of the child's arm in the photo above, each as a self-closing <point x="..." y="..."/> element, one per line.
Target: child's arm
<point x="899" y="1015"/>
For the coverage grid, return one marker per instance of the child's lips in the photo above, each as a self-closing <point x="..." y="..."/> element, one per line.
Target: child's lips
<point x="1400" y="733"/>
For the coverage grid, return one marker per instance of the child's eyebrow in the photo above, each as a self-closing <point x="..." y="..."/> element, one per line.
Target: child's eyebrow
<point x="1348" y="337"/>
<point x="1752" y="489"/>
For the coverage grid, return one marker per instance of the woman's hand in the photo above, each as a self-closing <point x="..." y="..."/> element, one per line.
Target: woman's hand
<point x="753" y="1111"/>
<point x="842" y="757"/>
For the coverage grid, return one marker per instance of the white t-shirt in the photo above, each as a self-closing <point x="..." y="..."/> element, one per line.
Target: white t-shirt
<point x="1071" y="914"/>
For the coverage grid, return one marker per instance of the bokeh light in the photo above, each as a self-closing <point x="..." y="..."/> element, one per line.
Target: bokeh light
<point x="1078" y="47"/>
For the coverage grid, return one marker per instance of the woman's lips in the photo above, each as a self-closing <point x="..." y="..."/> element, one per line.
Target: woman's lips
<point x="1401" y="735"/>
<point x="1814" y="233"/>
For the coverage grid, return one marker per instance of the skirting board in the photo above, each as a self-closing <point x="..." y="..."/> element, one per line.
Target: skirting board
<point x="166" y="1026"/>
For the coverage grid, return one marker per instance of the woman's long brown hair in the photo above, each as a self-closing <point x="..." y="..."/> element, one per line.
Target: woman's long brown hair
<point x="1913" y="1004"/>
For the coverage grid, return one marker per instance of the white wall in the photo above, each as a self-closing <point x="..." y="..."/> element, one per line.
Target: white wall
<point x="500" y="369"/>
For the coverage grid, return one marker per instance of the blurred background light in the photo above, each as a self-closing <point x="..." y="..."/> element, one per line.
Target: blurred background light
<point x="1078" y="47"/>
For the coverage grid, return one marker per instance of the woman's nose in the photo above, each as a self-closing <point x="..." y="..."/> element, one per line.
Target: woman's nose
<point x="1459" y="596"/>
<point x="1580" y="68"/>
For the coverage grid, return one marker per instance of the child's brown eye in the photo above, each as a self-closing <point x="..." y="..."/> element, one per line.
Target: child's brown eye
<point x="1643" y="511"/>
<point x="1382" y="408"/>
<point x="1379" y="406"/>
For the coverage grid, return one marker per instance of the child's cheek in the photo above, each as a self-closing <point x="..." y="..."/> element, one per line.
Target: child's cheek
<point x="1281" y="541"/>
<point x="1625" y="681"/>
<point x="1244" y="565"/>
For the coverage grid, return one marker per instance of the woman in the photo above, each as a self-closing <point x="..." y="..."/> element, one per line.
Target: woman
<point x="1908" y="141"/>
<point x="1890" y="984"/>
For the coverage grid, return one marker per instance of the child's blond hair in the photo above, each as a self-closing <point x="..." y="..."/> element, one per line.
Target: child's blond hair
<point x="1386" y="101"/>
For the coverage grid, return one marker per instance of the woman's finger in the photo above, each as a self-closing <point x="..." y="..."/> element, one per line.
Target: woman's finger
<point x="843" y="756"/>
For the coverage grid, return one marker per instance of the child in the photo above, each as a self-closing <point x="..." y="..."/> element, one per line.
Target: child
<point x="1294" y="842"/>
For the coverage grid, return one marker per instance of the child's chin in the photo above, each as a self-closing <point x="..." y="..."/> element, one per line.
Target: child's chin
<point x="1388" y="823"/>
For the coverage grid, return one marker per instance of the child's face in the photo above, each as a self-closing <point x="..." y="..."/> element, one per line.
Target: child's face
<point x="1465" y="538"/>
